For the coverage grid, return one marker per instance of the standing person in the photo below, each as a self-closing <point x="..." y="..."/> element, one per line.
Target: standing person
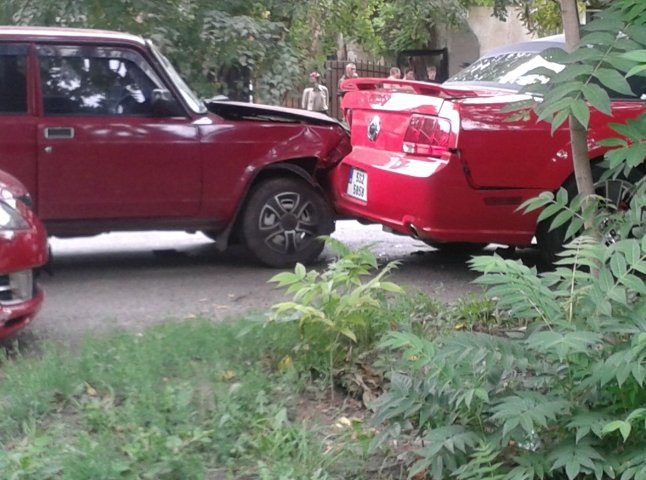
<point x="410" y="74"/>
<point x="315" y="98"/>
<point x="431" y="74"/>
<point x="350" y="72"/>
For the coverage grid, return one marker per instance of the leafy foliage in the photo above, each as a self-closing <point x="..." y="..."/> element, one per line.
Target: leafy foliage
<point x="594" y="69"/>
<point x="221" y="45"/>
<point x="564" y="397"/>
<point x="335" y="309"/>
<point x="571" y="388"/>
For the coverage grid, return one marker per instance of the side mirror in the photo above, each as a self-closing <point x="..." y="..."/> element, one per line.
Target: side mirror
<point x="164" y="104"/>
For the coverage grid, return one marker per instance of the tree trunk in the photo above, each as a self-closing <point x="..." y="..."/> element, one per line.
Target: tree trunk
<point x="578" y="132"/>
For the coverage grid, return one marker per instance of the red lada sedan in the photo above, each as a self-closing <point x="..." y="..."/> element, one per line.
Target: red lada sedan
<point x="106" y="136"/>
<point x="444" y="163"/>
<point x="23" y="248"/>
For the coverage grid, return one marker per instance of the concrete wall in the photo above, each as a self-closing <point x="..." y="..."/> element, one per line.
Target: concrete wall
<point x="482" y="33"/>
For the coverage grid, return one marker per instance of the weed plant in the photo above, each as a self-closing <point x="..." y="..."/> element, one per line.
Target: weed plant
<point x="338" y="311"/>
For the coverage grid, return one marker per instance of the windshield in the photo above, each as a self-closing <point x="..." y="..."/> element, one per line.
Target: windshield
<point x="510" y="70"/>
<point x="189" y="97"/>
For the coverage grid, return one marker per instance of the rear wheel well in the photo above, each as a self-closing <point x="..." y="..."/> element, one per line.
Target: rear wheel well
<point x="550" y="241"/>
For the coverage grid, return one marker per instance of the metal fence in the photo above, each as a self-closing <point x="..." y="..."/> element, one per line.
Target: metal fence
<point x="330" y="77"/>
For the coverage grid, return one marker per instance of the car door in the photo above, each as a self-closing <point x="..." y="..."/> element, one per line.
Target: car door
<point x="103" y="152"/>
<point x="17" y="120"/>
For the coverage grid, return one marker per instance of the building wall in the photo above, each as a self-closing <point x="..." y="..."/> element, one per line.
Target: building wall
<point x="482" y="33"/>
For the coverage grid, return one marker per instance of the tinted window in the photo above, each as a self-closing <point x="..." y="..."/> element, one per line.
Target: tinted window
<point x="77" y="81"/>
<point x="13" y="79"/>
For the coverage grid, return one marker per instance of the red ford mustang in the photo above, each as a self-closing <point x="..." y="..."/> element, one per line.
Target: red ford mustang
<point x="443" y="163"/>
<point x="23" y="248"/>
<point x="106" y="136"/>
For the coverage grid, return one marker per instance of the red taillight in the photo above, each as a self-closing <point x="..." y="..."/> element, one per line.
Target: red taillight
<point x="427" y="135"/>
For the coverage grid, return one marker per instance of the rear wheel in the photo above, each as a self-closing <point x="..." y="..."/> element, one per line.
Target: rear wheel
<point x="282" y="221"/>
<point x="618" y="193"/>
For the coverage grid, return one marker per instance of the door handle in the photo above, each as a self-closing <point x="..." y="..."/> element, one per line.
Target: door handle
<point x="59" y="133"/>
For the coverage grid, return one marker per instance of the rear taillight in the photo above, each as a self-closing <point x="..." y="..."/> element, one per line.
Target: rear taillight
<point x="427" y="135"/>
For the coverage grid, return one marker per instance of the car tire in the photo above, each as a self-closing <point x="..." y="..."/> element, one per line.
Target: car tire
<point x="550" y="243"/>
<point x="282" y="221"/>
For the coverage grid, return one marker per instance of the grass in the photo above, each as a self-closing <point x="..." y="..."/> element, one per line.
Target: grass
<point x="187" y="400"/>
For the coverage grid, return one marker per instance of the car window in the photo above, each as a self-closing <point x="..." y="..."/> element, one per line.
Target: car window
<point x="95" y="81"/>
<point x="511" y="70"/>
<point x="514" y="70"/>
<point x="13" y="79"/>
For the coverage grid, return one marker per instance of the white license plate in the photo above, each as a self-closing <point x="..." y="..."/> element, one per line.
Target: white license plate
<point x="358" y="184"/>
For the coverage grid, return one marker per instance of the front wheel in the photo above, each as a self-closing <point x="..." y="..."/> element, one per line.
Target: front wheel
<point x="282" y="221"/>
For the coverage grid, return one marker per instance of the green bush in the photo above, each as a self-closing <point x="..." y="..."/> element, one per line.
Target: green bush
<point x="564" y="399"/>
<point x="338" y="314"/>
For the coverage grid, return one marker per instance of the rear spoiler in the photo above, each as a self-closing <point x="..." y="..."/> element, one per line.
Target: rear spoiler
<point x="410" y="86"/>
<point x="368" y="83"/>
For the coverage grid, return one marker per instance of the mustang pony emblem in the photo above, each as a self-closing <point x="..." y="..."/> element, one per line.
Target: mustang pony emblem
<point x="373" y="128"/>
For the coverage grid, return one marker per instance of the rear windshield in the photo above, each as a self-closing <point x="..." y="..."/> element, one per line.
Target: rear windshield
<point x="509" y="70"/>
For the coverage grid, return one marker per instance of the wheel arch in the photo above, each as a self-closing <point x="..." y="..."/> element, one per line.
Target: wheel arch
<point x="569" y="184"/>
<point x="303" y="168"/>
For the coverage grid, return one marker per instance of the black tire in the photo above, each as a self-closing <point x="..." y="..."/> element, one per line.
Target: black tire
<point x="282" y="221"/>
<point x="617" y="191"/>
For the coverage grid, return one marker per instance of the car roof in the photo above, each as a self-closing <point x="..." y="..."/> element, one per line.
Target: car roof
<point x="51" y="34"/>
<point x="536" y="45"/>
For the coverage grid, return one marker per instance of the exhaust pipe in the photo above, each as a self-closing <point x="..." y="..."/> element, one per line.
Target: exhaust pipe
<point x="413" y="230"/>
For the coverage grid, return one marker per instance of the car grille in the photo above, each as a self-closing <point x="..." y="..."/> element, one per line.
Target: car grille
<point x="17" y="287"/>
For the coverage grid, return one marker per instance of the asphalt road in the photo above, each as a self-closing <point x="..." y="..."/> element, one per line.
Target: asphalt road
<point x="136" y="279"/>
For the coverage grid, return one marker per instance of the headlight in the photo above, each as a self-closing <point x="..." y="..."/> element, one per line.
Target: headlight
<point x="10" y="218"/>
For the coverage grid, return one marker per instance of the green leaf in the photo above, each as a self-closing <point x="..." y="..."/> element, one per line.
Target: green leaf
<point x="601" y="38"/>
<point x="613" y="80"/>
<point x="549" y="211"/>
<point x="623" y="427"/>
<point x="571" y="72"/>
<point x="348" y="333"/>
<point x="635" y="283"/>
<point x="635" y="70"/>
<point x="391" y="287"/>
<point x="581" y="112"/>
<point x="284" y="278"/>
<point x="612" y="142"/>
<point x="574" y="457"/>
<point x="546" y="110"/>
<point x="300" y="270"/>
<point x="560" y="219"/>
<point x="559" y="119"/>
<point x="635" y="56"/>
<point x="597" y="97"/>
<point x="636" y="154"/>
